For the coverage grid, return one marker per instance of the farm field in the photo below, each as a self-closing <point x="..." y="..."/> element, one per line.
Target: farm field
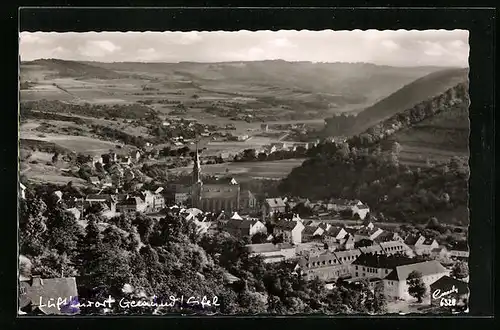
<point x="247" y="170"/>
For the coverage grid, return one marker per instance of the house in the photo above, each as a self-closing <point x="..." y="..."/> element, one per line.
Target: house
<point x="336" y="233"/>
<point x="449" y="288"/>
<point x="242" y="137"/>
<point x="240" y="227"/>
<point x="272" y="252"/>
<point x="396" y="247"/>
<point x="459" y="251"/>
<point x="181" y="198"/>
<point x="131" y="204"/>
<point x="270" y="149"/>
<point x="154" y="202"/>
<point x="107" y="182"/>
<point x="325" y="266"/>
<point x="371" y="265"/>
<point x="264" y="127"/>
<point x="426" y="246"/>
<point x="387" y="236"/>
<point x="248" y="202"/>
<point x="372" y="249"/>
<point x="125" y="160"/>
<point x="97" y="159"/>
<point x="395" y="284"/>
<point x="109" y="158"/>
<point x="35" y="296"/>
<point x="22" y="189"/>
<point x="367" y="233"/>
<point x="348" y="242"/>
<point x="76" y="213"/>
<point x="272" y="206"/>
<point x="312" y="232"/>
<point x="360" y="210"/>
<point x="128" y="175"/>
<point x="414" y="240"/>
<point x="338" y="205"/>
<point x="290" y="230"/>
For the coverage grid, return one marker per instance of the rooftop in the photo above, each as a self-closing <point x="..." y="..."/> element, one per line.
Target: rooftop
<point x="425" y="268"/>
<point x="382" y="261"/>
<point x="275" y="202"/>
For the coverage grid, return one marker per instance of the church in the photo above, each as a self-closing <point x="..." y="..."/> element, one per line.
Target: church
<point x="214" y="197"/>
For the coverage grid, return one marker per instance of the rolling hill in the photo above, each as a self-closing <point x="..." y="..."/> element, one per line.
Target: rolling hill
<point x="55" y="68"/>
<point x="404" y="98"/>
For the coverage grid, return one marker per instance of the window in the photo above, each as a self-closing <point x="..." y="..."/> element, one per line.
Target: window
<point x="356" y="267"/>
<point x="357" y="274"/>
<point x="22" y="290"/>
<point x="363" y="268"/>
<point x="307" y="265"/>
<point x="387" y="271"/>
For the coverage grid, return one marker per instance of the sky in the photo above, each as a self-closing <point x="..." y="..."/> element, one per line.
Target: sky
<point x="448" y="48"/>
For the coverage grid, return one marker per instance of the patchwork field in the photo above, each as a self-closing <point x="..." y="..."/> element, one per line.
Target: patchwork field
<point x="247" y="170"/>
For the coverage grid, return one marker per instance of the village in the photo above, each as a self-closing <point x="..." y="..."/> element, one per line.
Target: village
<point x="338" y="239"/>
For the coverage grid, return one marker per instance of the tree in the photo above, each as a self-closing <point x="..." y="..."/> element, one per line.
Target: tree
<point x="460" y="270"/>
<point x="379" y="299"/>
<point x="416" y="287"/>
<point x="259" y="238"/>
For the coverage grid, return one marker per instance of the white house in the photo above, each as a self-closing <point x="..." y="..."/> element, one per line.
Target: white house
<point x="290" y="230"/>
<point x="395" y="285"/>
<point x="361" y="210"/>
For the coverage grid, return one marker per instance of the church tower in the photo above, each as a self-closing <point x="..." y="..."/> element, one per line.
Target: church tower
<point x="197" y="183"/>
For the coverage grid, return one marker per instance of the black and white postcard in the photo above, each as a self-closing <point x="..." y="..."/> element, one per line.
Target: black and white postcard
<point x="244" y="172"/>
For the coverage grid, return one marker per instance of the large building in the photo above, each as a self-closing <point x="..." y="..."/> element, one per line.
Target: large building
<point x="213" y="197"/>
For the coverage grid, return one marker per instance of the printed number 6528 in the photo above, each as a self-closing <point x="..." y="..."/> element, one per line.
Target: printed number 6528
<point x="448" y="302"/>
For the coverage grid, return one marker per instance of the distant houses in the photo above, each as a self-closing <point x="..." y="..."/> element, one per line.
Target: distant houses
<point x="272" y="206"/>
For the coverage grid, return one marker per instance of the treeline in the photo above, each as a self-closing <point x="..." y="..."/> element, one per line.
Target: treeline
<point x="135" y="257"/>
<point x="457" y="96"/>
<point x="126" y="111"/>
<point x="339" y="125"/>
<point x="30" y="114"/>
<point x="114" y="134"/>
<point x="397" y="192"/>
<point x="250" y="155"/>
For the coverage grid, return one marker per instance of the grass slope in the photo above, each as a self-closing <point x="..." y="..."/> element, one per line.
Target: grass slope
<point x="68" y="69"/>
<point x="438" y="138"/>
<point x="420" y="90"/>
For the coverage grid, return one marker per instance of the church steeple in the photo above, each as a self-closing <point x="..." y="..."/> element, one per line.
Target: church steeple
<point x="196" y="166"/>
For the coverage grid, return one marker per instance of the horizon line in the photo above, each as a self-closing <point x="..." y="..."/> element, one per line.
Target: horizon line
<point x="241" y="61"/>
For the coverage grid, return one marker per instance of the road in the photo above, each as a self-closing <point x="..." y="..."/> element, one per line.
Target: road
<point x="380" y="224"/>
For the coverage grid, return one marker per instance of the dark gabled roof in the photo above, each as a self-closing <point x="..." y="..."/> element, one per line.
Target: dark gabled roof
<point x="286" y="224"/>
<point x="428" y="241"/>
<point x="385" y="236"/>
<point x="445" y="283"/>
<point x="382" y="261"/>
<point x="333" y="231"/>
<point x="309" y="230"/>
<point x="460" y="246"/>
<point x="412" y="239"/>
<point x="362" y="207"/>
<point x="400" y="273"/>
